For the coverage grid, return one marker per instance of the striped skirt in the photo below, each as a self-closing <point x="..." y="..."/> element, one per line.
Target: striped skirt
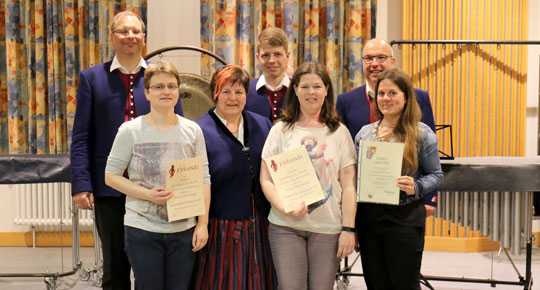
<point x="237" y="256"/>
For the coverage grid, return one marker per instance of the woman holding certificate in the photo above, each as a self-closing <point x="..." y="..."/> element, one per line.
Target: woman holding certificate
<point x="308" y="242"/>
<point x="238" y="253"/>
<point x="161" y="253"/>
<point x="391" y="237"/>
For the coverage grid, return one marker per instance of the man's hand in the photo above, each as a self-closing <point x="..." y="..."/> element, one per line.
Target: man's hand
<point x="430" y="210"/>
<point x="84" y="200"/>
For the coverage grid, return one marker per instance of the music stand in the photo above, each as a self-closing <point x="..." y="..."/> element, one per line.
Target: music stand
<point x="442" y="154"/>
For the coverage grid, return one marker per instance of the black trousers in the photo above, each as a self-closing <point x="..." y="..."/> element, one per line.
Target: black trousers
<point x="109" y="212"/>
<point x="391" y="255"/>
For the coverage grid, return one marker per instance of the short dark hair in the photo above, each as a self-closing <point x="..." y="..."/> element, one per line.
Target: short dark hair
<point x="228" y="73"/>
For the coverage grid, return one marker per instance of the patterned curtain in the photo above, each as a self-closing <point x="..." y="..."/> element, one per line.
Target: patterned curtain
<point x="43" y="47"/>
<point x="327" y="31"/>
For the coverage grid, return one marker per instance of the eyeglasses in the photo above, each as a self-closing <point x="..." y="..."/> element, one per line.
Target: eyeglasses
<point x="380" y="58"/>
<point x="125" y="32"/>
<point x="161" y="88"/>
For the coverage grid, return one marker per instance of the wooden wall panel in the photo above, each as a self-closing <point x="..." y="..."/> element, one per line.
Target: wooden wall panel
<point x="478" y="89"/>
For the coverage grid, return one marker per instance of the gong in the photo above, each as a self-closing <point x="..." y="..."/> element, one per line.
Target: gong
<point x="195" y="95"/>
<point x="194" y="89"/>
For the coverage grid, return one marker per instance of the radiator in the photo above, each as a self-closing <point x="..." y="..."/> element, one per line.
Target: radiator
<point x="47" y="204"/>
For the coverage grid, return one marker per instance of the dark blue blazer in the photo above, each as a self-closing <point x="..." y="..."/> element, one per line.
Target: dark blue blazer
<point x="229" y="165"/>
<point x="257" y="101"/>
<point x="353" y="108"/>
<point x="101" y="106"/>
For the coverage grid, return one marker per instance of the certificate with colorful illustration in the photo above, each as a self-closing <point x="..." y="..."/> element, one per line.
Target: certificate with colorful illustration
<point x="295" y="178"/>
<point x="379" y="166"/>
<point x="185" y="180"/>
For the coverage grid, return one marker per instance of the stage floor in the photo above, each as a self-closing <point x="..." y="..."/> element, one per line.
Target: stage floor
<point x="471" y="265"/>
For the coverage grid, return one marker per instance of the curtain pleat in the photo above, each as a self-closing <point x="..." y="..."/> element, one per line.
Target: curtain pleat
<point x="43" y="47"/>
<point x="332" y="32"/>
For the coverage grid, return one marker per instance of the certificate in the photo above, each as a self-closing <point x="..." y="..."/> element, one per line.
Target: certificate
<point x="379" y="165"/>
<point x="185" y="180"/>
<point x="294" y="178"/>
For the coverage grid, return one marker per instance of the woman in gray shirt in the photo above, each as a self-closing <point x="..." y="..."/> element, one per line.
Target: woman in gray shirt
<point x="161" y="253"/>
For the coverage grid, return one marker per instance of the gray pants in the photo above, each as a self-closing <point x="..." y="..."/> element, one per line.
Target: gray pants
<point x="304" y="260"/>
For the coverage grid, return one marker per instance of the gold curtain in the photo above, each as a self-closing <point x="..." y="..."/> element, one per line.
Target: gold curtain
<point x="43" y="47"/>
<point x="332" y="32"/>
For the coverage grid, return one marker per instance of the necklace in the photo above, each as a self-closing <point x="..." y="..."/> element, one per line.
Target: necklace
<point x="385" y="126"/>
<point x="382" y="135"/>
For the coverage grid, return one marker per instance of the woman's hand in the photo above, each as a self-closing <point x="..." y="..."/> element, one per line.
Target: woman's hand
<point x="299" y="212"/>
<point x="406" y="184"/>
<point x="200" y="237"/>
<point x="346" y="244"/>
<point x="159" y="195"/>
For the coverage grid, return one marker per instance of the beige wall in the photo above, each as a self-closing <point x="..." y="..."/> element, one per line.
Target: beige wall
<point x="533" y="78"/>
<point x="7" y="211"/>
<point x="389" y="23"/>
<point x="173" y="23"/>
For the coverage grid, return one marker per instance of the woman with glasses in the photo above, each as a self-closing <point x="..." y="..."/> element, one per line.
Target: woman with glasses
<point x="237" y="255"/>
<point x="161" y="253"/>
<point x="308" y="242"/>
<point x="391" y="237"/>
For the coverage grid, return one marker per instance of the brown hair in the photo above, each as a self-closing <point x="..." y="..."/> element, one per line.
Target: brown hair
<point x="291" y="108"/>
<point x="126" y="13"/>
<point x="161" y="66"/>
<point x="406" y="130"/>
<point x="228" y="73"/>
<point x="274" y="37"/>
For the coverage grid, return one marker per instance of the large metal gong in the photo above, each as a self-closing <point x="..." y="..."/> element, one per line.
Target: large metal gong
<point x="195" y="94"/>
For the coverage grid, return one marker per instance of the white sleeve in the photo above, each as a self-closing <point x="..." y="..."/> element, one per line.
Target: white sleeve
<point x="200" y="150"/>
<point x="347" y="150"/>
<point x="272" y="145"/>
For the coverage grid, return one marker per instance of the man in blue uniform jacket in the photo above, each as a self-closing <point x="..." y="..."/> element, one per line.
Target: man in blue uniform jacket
<point x="267" y="93"/>
<point x="355" y="107"/>
<point x="108" y="95"/>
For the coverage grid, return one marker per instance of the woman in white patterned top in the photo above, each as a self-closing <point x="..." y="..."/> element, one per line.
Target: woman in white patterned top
<point x="308" y="242"/>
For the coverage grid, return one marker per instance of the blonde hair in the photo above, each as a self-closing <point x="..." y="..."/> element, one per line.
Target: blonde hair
<point x="126" y="13"/>
<point x="162" y="66"/>
<point x="274" y="37"/>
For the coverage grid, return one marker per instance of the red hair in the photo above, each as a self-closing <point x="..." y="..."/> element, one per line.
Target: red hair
<point x="232" y="73"/>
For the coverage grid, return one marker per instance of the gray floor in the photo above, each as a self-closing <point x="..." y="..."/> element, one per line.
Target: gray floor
<point x="472" y="265"/>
